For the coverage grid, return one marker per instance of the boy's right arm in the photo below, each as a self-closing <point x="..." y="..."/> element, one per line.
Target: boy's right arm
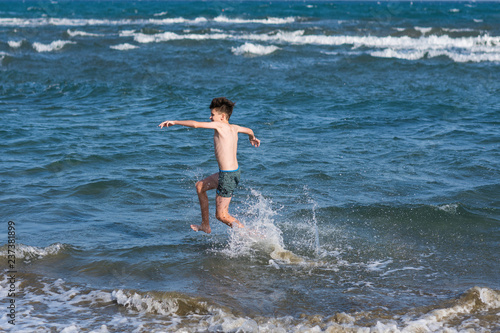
<point x="188" y="123"/>
<point x="168" y="123"/>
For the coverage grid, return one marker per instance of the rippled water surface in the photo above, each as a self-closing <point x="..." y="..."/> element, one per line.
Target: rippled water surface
<point x="371" y="205"/>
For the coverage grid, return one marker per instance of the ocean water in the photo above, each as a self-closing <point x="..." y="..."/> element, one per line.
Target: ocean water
<point x="372" y="204"/>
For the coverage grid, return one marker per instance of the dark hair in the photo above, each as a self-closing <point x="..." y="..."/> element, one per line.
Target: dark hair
<point x="223" y="105"/>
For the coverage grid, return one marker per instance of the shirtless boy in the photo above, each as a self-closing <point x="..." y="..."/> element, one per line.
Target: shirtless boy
<point x="226" y="144"/>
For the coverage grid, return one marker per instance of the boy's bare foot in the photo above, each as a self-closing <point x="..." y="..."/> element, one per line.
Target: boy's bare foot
<point x="196" y="227"/>
<point x="237" y="224"/>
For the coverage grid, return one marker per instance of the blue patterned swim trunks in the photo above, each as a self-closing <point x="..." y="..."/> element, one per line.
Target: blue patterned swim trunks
<point x="228" y="180"/>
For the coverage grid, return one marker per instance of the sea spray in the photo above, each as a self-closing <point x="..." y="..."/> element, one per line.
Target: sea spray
<point x="260" y="233"/>
<point x="313" y="224"/>
<point x="315" y="227"/>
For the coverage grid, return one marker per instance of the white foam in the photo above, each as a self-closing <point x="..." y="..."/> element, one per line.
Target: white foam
<point x="160" y="14"/>
<point x="449" y="208"/>
<point x="33" y="252"/>
<point x="254" y="49"/>
<point x="473" y="57"/>
<point x="377" y="265"/>
<point x="76" y="33"/>
<point x="170" y="36"/>
<point x="436" y="320"/>
<point x="60" y="306"/>
<point x="127" y="33"/>
<point x="269" y="20"/>
<point x="124" y="47"/>
<point x="406" y="55"/>
<point x="71" y="329"/>
<point x="15" y="44"/>
<point x="423" y="30"/>
<point x="408" y="268"/>
<point x="489" y="297"/>
<point x="148" y="304"/>
<point x="455" y="56"/>
<point x="260" y="234"/>
<point x="432" y="42"/>
<point x="54" y="46"/>
<point x="59" y="300"/>
<point x="464" y="49"/>
<point x="458" y="30"/>
<point x="177" y="20"/>
<point x="71" y="22"/>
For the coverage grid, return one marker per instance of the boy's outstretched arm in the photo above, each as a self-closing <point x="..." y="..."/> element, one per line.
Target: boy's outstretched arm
<point x="188" y="123"/>
<point x="251" y="136"/>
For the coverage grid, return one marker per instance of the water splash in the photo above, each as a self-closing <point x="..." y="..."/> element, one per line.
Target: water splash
<point x="260" y="233"/>
<point x="314" y="224"/>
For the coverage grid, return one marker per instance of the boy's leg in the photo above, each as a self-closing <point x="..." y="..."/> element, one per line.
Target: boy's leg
<point x="202" y="187"/>
<point x="222" y="212"/>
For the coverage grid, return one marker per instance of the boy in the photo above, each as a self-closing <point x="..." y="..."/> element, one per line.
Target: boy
<point x="226" y="144"/>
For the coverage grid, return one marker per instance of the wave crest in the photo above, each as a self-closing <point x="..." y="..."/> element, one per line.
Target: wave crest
<point x="254" y="49"/>
<point x="54" y="46"/>
<point x="28" y="252"/>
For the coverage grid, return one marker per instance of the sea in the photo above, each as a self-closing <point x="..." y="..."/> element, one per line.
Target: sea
<point x="372" y="204"/>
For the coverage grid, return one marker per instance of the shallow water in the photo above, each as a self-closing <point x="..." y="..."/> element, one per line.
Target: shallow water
<point x="371" y="205"/>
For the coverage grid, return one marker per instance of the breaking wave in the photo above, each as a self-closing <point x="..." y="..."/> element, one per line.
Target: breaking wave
<point x="54" y="46"/>
<point x="126" y="310"/>
<point x="254" y="49"/>
<point x="38" y="22"/>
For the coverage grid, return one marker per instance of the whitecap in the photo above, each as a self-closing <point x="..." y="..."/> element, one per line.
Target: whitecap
<point x="37" y="22"/>
<point x="160" y="14"/>
<point x="54" y="46"/>
<point x="33" y="252"/>
<point x="146" y="303"/>
<point x="463" y="49"/>
<point x="124" y="47"/>
<point x="423" y="30"/>
<point x="15" y="44"/>
<point x="168" y="36"/>
<point x="82" y="33"/>
<point x="269" y="20"/>
<point x="467" y="57"/>
<point x="449" y="208"/>
<point x="458" y="30"/>
<point x="406" y="55"/>
<point x="127" y="33"/>
<point x="254" y="49"/>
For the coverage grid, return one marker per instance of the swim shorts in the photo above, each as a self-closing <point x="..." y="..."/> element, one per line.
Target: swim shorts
<point x="228" y="180"/>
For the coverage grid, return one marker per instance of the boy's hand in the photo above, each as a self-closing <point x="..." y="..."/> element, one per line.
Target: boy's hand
<point x="254" y="141"/>
<point x="167" y="123"/>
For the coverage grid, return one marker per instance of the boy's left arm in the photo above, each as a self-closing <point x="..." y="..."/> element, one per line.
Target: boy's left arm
<point x="251" y="136"/>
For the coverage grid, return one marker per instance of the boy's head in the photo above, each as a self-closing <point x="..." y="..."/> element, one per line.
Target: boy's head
<point x="222" y="105"/>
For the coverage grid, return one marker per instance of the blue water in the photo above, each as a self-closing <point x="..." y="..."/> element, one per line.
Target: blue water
<point x="372" y="203"/>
